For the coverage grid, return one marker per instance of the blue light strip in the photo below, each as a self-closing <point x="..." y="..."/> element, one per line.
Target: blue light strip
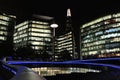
<point x="29" y="62"/>
<point x="74" y="62"/>
<point x="65" y="63"/>
<point x="9" y="69"/>
<point x="37" y="62"/>
<point x="104" y="59"/>
<point x="99" y="64"/>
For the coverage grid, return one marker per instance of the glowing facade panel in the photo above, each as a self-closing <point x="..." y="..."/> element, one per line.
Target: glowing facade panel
<point x="100" y="38"/>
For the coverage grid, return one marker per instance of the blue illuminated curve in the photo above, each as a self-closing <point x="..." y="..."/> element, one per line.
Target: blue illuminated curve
<point x="9" y="69"/>
<point x="27" y="62"/>
<point x="103" y="59"/>
<point x="64" y="63"/>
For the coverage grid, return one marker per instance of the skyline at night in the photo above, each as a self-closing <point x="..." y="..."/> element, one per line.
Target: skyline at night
<point x="81" y="11"/>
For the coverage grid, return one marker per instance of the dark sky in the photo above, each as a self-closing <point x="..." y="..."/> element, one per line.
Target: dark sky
<point x="82" y="10"/>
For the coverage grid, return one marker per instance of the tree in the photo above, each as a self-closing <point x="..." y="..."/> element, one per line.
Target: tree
<point x="65" y="55"/>
<point x="25" y="52"/>
<point x="45" y="56"/>
<point x="5" y="50"/>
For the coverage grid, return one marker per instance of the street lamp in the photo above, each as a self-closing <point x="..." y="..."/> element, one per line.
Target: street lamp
<point x="54" y="26"/>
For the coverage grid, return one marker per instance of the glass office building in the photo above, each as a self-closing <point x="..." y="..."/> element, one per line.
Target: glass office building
<point x="101" y="38"/>
<point x="7" y="23"/>
<point x="66" y="41"/>
<point x="35" y="33"/>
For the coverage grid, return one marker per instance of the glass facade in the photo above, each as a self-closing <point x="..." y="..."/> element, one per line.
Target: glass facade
<point x="101" y="37"/>
<point x="7" y="23"/>
<point x="65" y="42"/>
<point x="36" y="33"/>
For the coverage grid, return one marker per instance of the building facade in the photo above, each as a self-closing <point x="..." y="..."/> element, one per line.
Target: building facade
<point x="37" y="34"/>
<point x="66" y="41"/>
<point x="7" y="23"/>
<point x="101" y="38"/>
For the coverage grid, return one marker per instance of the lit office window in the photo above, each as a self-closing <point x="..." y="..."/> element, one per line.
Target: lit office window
<point x="21" y="32"/>
<point x="115" y="40"/>
<point x="37" y="43"/>
<point x="86" y="41"/>
<point x="2" y="38"/>
<point x="25" y="39"/>
<point x="112" y="30"/>
<point x="3" y="28"/>
<point x="38" y="34"/>
<point x="110" y="35"/>
<point x="23" y="35"/>
<point x="47" y="39"/>
<point x="92" y="52"/>
<point x="40" y="26"/>
<point x="99" y="33"/>
<point x="22" y="28"/>
<point x="38" y="22"/>
<point x="117" y="19"/>
<point x="112" y="50"/>
<point x="3" y="33"/>
<point x="22" y="24"/>
<point x="39" y="30"/>
<point x="36" y="38"/>
<point x="4" y="18"/>
<point x="4" y="22"/>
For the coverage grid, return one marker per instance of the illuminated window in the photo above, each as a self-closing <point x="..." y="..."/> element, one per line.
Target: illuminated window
<point x="39" y="22"/>
<point x="4" y="22"/>
<point x="2" y="38"/>
<point x="4" y="18"/>
<point x="3" y="28"/>
<point x="40" y="26"/>
<point x="38" y="34"/>
<point x="22" y="28"/>
<point x="40" y="30"/>
<point x="112" y="50"/>
<point x="92" y="52"/>
<point x="112" y="30"/>
<point x="22" y="24"/>
<point x="3" y="33"/>
<point x="99" y="33"/>
<point x="115" y="40"/>
<point x="110" y="35"/>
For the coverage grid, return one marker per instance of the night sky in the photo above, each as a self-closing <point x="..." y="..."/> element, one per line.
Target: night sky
<point x="82" y="10"/>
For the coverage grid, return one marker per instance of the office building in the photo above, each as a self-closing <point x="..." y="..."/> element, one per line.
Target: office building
<point x="7" y="23"/>
<point x="35" y="33"/>
<point x="100" y="38"/>
<point x="66" y="40"/>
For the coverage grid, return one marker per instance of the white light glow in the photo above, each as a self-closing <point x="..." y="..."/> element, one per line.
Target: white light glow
<point x="54" y="25"/>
